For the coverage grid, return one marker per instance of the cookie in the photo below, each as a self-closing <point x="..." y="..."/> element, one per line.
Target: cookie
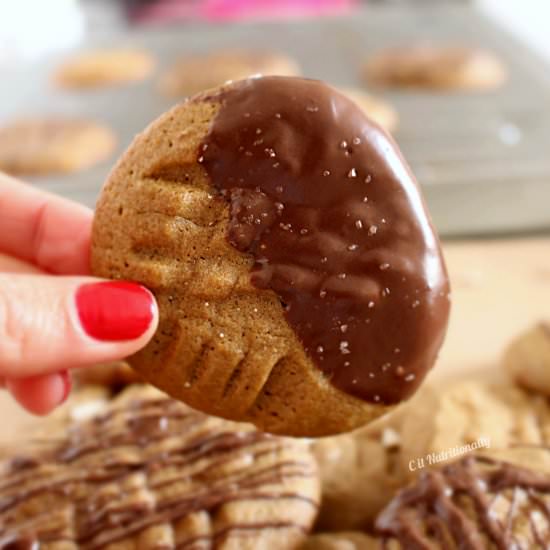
<point x="436" y="68"/>
<point x="197" y="72"/>
<point x="115" y="375"/>
<point x="375" y="108"/>
<point x="104" y="68"/>
<point x="528" y="359"/>
<point x="352" y="540"/>
<point x="301" y="286"/>
<point x="44" y="146"/>
<point x="477" y="503"/>
<point x="148" y="472"/>
<point x="469" y="413"/>
<point x="463" y="417"/>
<point x="359" y="473"/>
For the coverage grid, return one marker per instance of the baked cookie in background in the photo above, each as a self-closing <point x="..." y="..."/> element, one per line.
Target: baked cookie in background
<point x="282" y="246"/>
<point x="104" y="68"/>
<point x="430" y="67"/>
<point x="147" y="472"/>
<point x="374" y="107"/>
<point x="194" y="73"/>
<point x="527" y="359"/>
<point x="362" y="470"/>
<point x="476" y="502"/>
<point x="360" y="473"/>
<point x="54" y="145"/>
<point x="470" y="411"/>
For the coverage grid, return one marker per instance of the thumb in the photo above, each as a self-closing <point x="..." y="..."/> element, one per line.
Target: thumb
<point x="50" y="324"/>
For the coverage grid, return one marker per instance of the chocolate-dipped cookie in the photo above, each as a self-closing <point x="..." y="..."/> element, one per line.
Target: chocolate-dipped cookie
<point x="476" y="503"/>
<point x="300" y="282"/>
<point x="147" y="472"/>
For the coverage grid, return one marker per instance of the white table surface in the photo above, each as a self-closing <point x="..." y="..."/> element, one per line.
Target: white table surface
<point x="527" y="19"/>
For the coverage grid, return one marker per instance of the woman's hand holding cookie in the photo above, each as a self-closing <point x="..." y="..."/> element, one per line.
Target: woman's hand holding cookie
<point x="53" y="315"/>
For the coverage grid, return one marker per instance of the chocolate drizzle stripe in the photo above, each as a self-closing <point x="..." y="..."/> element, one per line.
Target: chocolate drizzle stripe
<point x="322" y="200"/>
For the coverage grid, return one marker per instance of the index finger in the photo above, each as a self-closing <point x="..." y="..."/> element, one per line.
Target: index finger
<point x="48" y="231"/>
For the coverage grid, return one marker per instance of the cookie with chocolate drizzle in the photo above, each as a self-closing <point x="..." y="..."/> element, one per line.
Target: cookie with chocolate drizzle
<point x="498" y="502"/>
<point x="148" y="472"/>
<point x="300" y="282"/>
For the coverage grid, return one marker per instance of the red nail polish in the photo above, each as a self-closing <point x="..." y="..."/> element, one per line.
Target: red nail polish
<point x="115" y="310"/>
<point x="67" y="384"/>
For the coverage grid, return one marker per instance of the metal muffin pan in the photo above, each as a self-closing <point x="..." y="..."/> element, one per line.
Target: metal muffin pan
<point x="482" y="159"/>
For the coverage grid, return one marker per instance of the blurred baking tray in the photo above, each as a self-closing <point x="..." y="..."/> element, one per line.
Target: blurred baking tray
<point x="483" y="159"/>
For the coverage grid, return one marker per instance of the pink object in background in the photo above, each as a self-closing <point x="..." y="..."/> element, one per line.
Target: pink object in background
<point x="234" y="10"/>
<point x="267" y="9"/>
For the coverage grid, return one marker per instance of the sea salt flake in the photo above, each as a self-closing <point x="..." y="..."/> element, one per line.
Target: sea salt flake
<point x="344" y="349"/>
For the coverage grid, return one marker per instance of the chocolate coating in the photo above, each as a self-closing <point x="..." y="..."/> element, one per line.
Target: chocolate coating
<point x="323" y="200"/>
<point x="435" y="508"/>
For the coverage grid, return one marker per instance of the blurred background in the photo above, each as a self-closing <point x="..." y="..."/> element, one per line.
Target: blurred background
<point x="470" y="108"/>
<point x="481" y="155"/>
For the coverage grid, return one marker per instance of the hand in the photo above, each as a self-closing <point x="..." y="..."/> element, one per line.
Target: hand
<point x="53" y="316"/>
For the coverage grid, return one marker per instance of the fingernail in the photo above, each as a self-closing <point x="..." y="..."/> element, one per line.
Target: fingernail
<point x="115" y="311"/>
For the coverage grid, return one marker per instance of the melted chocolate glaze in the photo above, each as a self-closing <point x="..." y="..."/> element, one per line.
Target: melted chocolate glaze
<point x="326" y="205"/>
<point x="146" y="423"/>
<point x="433" y="508"/>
